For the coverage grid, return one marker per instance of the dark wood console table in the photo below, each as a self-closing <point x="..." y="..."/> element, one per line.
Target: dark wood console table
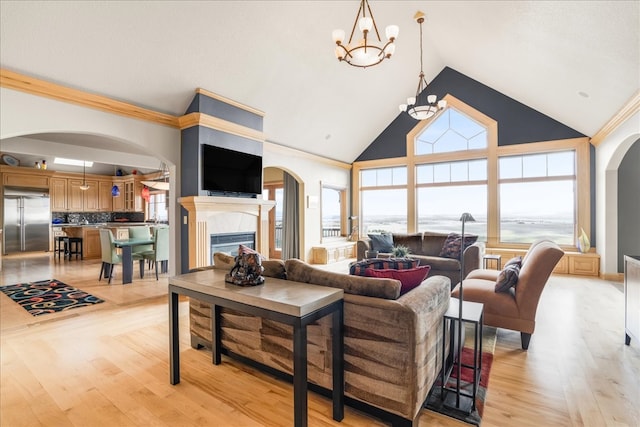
<point x="293" y="303"/>
<point x="631" y="298"/>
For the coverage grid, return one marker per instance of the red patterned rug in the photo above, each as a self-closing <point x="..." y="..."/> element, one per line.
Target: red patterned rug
<point x="434" y="401"/>
<point x="48" y="296"/>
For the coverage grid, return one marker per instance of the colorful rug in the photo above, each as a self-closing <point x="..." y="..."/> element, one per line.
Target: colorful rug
<point x="434" y="401"/>
<point x="48" y="296"/>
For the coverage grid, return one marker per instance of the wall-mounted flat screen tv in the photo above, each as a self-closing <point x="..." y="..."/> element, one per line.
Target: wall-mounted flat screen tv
<point x="230" y="172"/>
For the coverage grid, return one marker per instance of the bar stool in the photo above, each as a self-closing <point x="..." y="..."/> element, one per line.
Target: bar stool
<point x="75" y="247"/>
<point x="61" y="245"/>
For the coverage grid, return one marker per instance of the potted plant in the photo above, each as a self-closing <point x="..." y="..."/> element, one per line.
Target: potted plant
<point x="400" y="251"/>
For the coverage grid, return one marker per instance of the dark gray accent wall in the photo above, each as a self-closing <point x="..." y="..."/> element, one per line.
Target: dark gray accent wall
<point x="191" y="153"/>
<point x="629" y="205"/>
<point x="517" y="123"/>
<point x="192" y="140"/>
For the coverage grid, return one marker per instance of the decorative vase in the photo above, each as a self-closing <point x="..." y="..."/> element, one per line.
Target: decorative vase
<point x="583" y="242"/>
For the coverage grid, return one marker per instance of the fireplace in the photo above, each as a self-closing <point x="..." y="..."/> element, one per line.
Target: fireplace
<point x="229" y="242"/>
<point x="221" y="215"/>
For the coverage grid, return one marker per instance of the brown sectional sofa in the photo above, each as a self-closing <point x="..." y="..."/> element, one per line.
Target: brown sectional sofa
<point x="393" y="343"/>
<point x="426" y="247"/>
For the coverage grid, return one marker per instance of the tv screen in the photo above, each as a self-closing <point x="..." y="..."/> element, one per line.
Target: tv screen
<point x="230" y="172"/>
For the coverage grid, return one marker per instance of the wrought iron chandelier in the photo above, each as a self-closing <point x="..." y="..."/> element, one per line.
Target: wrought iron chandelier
<point x="361" y="53"/>
<point x="422" y="106"/>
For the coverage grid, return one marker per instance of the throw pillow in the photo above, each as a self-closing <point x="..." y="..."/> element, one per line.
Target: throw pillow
<point x="381" y="242"/>
<point x="358" y="268"/>
<point x="516" y="260"/>
<point x="452" y="244"/>
<point x="409" y="278"/>
<point x="507" y="278"/>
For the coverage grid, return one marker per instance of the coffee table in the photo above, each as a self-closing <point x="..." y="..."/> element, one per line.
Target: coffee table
<point x="293" y="303"/>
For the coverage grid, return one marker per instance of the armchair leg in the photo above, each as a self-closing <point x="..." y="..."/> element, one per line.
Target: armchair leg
<point x="525" y="338"/>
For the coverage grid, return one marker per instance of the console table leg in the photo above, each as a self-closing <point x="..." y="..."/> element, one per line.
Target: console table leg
<point x="300" y="374"/>
<point x="174" y="340"/>
<point x="338" y="363"/>
<point x="216" y="334"/>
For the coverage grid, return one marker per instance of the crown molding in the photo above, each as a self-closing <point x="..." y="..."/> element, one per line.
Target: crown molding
<point x="202" y="119"/>
<point x="629" y="109"/>
<point x="230" y="102"/>
<point x="31" y="85"/>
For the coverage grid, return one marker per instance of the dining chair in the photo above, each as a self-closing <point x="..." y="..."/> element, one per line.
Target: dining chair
<point x="160" y="252"/>
<point x="109" y="255"/>
<point x="137" y="252"/>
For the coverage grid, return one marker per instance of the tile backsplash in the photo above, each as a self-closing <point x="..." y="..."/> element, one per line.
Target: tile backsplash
<point x="96" y="217"/>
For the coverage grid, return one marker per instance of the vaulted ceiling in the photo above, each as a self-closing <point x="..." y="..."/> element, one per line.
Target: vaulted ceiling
<point x="575" y="61"/>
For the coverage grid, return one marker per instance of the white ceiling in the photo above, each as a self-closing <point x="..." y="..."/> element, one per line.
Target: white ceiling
<point x="277" y="56"/>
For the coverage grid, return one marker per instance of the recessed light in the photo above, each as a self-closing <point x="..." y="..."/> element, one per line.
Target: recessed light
<point x="583" y="94"/>
<point x="72" y="162"/>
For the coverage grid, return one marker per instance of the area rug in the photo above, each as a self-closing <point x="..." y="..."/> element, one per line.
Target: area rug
<point x="434" y="401"/>
<point x="48" y="296"/>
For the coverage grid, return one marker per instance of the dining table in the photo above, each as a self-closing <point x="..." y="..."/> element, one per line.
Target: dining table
<point x="127" y="255"/>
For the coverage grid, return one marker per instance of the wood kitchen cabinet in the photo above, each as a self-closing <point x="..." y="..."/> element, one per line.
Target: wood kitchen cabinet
<point x="105" y="200"/>
<point x="79" y="200"/>
<point x="132" y="196"/>
<point x="58" y="194"/>
<point x="118" y="201"/>
<point x="91" y="243"/>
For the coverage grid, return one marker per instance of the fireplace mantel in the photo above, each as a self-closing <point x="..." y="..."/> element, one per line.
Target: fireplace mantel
<point x="203" y="211"/>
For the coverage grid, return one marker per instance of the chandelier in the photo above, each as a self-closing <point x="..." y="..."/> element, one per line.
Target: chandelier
<point x="422" y="106"/>
<point x="361" y="53"/>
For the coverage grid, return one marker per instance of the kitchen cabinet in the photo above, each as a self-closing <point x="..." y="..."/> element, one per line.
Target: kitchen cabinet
<point x="32" y="180"/>
<point x="58" y="194"/>
<point x="105" y="200"/>
<point x="132" y="196"/>
<point x="91" y="243"/>
<point x="118" y="201"/>
<point x="79" y="200"/>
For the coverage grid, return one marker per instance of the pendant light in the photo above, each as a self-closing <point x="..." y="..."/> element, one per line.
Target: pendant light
<point x="84" y="186"/>
<point x="115" y="190"/>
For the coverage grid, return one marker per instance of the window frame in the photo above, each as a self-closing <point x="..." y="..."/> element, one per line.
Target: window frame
<point x="491" y="154"/>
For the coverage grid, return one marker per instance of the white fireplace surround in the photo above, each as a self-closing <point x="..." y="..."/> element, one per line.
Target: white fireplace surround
<point x="209" y="215"/>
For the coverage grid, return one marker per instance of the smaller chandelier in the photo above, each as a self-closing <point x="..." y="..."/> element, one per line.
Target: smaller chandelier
<point x="422" y="106"/>
<point x="362" y="53"/>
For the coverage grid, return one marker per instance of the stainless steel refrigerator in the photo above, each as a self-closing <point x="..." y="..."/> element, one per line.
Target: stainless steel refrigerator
<point x="26" y="221"/>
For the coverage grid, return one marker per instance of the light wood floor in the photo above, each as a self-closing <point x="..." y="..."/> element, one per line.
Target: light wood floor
<point x="107" y="365"/>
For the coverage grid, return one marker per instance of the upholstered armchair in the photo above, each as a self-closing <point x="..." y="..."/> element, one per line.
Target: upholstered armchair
<point x="516" y="307"/>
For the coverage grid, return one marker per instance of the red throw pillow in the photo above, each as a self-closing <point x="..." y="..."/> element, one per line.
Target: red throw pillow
<point x="409" y="278"/>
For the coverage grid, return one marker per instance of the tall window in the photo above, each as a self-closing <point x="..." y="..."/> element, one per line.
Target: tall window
<point x="538" y="197"/>
<point x="383" y="199"/>
<point x="158" y="207"/>
<point x="333" y="212"/>
<point x="446" y="189"/>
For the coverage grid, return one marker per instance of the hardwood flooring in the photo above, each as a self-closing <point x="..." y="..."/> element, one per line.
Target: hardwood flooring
<point x="107" y="365"/>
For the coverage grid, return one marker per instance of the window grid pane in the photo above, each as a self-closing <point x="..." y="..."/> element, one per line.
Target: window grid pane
<point x="451" y="131"/>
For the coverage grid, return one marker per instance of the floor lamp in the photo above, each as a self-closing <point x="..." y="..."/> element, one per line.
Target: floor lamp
<point x="464" y="218"/>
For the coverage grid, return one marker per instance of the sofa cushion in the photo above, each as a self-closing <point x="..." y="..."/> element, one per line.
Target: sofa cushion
<point x="451" y="246"/>
<point x="381" y="242"/>
<point x="409" y="278"/>
<point x="507" y="278"/>
<point x="300" y="271"/>
<point x="358" y="268"/>
<point x="412" y="241"/>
